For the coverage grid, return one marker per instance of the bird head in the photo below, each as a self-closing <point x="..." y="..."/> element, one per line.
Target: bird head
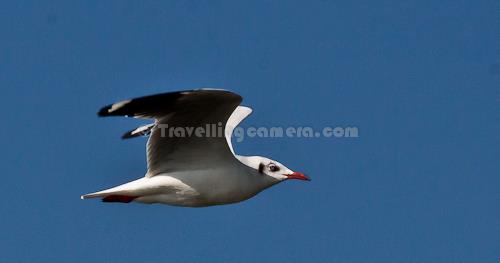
<point x="273" y="168"/>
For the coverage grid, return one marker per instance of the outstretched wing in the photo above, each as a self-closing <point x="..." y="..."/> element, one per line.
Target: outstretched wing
<point x="144" y="130"/>
<point x="238" y="115"/>
<point x="189" y="128"/>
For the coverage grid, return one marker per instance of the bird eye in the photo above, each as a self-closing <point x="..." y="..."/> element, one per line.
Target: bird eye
<point x="273" y="167"/>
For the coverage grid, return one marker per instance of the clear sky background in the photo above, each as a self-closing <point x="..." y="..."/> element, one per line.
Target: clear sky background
<point x="420" y="79"/>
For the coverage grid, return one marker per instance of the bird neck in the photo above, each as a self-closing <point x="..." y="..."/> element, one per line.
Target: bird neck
<point x="250" y="161"/>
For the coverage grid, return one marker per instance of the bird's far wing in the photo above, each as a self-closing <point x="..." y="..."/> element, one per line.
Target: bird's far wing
<point x="238" y="115"/>
<point x="144" y="130"/>
<point x="189" y="128"/>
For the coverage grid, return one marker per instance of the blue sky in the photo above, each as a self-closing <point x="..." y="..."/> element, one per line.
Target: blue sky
<point x="420" y="79"/>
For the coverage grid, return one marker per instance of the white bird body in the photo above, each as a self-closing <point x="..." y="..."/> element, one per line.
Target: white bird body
<point x="197" y="172"/>
<point x="194" y="188"/>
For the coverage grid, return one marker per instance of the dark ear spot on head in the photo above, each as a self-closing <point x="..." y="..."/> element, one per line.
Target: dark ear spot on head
<point x="261" y="167"/>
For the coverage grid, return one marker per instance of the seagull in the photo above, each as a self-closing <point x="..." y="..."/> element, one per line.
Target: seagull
<point x="197" y="169"/>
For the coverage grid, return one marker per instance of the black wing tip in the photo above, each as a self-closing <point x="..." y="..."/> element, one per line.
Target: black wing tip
<point x="104" y="111"/>
<point x="127" y="135"/>
<point x="115" y="109"/>
<point x="142" y="131"/>
<point x="130" y="135"/>
<point x="132" y="107"/>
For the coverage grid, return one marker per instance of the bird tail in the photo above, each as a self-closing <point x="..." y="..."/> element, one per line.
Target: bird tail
<point x="111" y="196"/>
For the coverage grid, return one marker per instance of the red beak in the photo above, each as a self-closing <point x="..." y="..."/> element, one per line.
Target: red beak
<point x="298" y="176"/>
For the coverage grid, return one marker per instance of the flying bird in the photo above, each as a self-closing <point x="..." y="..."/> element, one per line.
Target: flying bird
<point x="196" y="170"/>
